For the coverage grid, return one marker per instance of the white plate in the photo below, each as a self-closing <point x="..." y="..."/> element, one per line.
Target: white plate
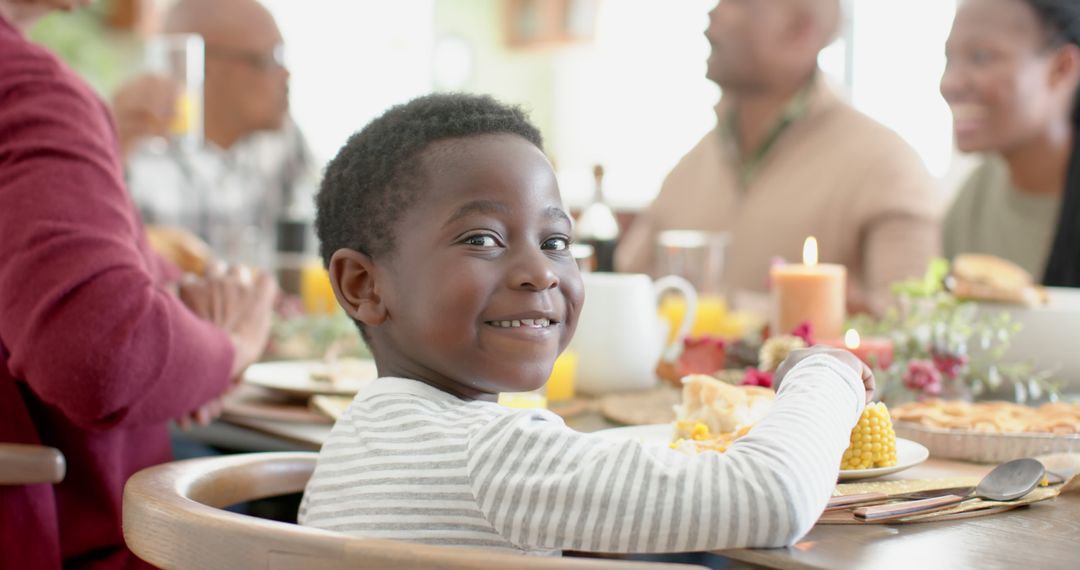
<point x="908" y="453"/>
<point x="294" y="377"/>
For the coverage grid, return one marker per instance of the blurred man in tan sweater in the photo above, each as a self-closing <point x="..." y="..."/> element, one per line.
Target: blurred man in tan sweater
<point x="789" y="159"/>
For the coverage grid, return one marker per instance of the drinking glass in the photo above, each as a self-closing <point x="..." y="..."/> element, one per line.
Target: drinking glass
<point x="315" y="290"/>
<point x="180" y="57"/>
<point x="699" y="257"/>
<point x="560" y="385"/>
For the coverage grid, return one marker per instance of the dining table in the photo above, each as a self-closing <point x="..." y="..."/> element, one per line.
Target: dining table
<point x="1038" y="536"/>
<point x="1043" y="535"/>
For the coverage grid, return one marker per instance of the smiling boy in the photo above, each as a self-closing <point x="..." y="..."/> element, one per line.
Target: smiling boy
<point x="446" y="240"/>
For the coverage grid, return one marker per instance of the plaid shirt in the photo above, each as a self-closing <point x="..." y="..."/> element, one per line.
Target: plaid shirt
<point x="231" y="198"/>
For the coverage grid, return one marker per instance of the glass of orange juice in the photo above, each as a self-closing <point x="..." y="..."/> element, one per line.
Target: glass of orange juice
<point x="315" y="290"/>
<point x="560" y="385"/>
<point x="697" y="256"/>
<point x="181" y="58"/>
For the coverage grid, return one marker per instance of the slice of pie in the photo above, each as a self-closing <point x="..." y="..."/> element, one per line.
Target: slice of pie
<point x="713" y="413"/>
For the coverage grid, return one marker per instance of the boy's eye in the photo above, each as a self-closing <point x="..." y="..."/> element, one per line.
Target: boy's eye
<point x="555" y="244"/>
<point x="480" y="240"/>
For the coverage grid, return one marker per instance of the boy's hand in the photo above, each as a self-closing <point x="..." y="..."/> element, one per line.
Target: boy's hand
<point x="840" y="354"/>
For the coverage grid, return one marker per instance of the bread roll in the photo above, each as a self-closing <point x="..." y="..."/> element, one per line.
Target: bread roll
<point x="183" y="248"/>
<point x="988" y="278"/>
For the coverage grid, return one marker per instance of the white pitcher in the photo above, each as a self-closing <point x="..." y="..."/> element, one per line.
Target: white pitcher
<point x="620" y="334"/>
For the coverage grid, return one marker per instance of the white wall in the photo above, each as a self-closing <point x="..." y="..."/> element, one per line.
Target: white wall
<point x="635" y="100"/>
<point x="352" y="59"/>
<point x="899" y="56"/>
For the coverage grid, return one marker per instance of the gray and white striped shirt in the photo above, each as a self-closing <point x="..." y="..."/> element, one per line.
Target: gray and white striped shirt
<point x="410" y="462"/>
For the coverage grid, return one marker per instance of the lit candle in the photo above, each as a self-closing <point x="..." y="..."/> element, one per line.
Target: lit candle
<point x="876" y="352"/>
<point x="810" y="291"/>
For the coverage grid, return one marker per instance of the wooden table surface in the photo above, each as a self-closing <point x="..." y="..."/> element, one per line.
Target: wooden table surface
<point x="1042" y="536"/>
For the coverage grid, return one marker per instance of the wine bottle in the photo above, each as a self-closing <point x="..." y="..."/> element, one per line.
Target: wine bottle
<point x="598" y="227"/>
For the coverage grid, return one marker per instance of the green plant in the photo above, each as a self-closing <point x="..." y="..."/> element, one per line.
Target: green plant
<point x="296" y="335"/>
<point x="100" y="55"/>
<point x="946" y="347"/>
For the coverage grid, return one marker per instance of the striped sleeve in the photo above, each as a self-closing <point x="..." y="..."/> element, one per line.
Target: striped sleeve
<point x="542" y="486"/>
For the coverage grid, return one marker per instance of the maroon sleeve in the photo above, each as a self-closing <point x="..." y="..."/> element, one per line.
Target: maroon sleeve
<point x="82" y="316"/>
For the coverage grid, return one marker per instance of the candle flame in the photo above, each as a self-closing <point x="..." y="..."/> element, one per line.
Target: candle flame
<point x="809" y="251"/>
<point x="851" y="339"/>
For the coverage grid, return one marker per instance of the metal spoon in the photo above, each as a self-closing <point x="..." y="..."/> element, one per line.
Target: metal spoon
<point x="1008" y="481"/>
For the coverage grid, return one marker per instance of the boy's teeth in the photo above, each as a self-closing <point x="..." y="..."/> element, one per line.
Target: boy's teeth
<point x="531" y="323"/>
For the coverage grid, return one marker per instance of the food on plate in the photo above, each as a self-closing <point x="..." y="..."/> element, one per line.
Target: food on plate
<point x="183" y="248"/>
<point x="713" y="414"/>
<point x="988" y="278"/>
<point x="992" y="417"/>
<point x="701" y="439"/>
<point x="873" y="441"/>
<point x="340" y="371"/>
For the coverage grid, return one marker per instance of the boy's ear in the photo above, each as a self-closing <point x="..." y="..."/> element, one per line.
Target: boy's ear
<point x="352" y="275"/>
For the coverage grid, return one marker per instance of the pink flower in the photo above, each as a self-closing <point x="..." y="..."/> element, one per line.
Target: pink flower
<point x="948" y="364"/>
<point x="702" y="355"/>
<point x="755" y="377"/>
<point x="805" y="331"/>
<point x="923" y="376"/>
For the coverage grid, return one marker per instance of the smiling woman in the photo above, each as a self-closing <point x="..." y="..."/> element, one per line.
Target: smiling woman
<point x="1011" y="82"/>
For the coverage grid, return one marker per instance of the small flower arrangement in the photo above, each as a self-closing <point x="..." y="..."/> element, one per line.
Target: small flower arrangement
<point x="945" y="348"/>
<point x="295" y="334"/>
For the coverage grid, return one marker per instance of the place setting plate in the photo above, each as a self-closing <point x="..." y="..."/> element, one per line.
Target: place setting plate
<point x="908" y="453"/>
<point x="306" y="378"/>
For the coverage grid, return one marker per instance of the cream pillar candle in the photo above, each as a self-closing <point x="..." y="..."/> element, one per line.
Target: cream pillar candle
<point x="810" y="291"/>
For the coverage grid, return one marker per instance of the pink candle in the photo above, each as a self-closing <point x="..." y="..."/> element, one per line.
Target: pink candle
<point x="876" y="352"/>
<point x="810" y="291"/>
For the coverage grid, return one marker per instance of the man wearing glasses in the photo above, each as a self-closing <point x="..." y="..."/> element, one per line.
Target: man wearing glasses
<point x="254" y="174"/>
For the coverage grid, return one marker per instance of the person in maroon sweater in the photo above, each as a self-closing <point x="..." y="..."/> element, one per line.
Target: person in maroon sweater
<point x="96" y="354"/>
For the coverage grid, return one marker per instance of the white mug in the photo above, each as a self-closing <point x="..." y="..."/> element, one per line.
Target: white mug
<point x="620" y="334"/>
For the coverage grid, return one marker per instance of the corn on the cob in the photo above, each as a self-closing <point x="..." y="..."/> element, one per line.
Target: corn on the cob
<point x="873" y="441"/>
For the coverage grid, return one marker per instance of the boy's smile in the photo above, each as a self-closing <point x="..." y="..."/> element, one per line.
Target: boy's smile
<point x="480" y="291"/>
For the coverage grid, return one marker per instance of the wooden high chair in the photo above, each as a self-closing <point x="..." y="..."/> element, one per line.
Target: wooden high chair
<point x="173" y="518"/>
<point x="22" y="464"/>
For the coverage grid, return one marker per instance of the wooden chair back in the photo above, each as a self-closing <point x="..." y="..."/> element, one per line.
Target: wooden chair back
<point x="22" y="464"/>
<point x="173" y="518"/>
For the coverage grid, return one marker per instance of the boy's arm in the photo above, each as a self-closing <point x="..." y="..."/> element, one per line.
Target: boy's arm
<point x="545" y="487"/>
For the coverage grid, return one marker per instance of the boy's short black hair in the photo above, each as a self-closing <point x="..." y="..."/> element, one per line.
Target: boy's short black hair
<point x="375" y="177"/>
